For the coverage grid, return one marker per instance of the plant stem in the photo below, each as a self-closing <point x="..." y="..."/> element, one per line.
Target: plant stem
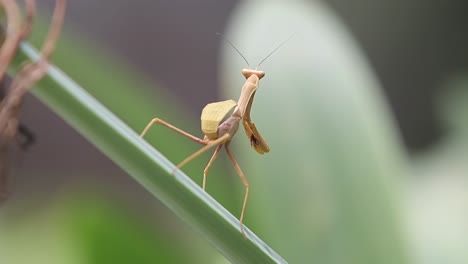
<point x="146" y="165"/>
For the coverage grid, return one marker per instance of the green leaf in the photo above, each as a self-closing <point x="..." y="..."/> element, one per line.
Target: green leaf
<point x="86" y="227"/>
<point x="328" y="190"/>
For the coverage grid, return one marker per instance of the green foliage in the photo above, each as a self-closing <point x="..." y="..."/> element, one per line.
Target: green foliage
<point x="110" y="234"/>
<point x="86" y="228"/>
<point x="326" y="193"/>
<point x="438" y="200"/>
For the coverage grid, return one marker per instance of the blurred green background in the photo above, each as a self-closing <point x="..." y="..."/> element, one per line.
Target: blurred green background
<point x="364" y="110"/>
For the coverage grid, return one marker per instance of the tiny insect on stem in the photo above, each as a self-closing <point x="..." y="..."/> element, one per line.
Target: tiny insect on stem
<point x="219" y="133"/>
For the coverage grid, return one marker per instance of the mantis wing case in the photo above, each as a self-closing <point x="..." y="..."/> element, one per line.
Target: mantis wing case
<point x="212" y="115"/>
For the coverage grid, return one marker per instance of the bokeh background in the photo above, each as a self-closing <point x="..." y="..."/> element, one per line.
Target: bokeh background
<point x="364" y="110"/>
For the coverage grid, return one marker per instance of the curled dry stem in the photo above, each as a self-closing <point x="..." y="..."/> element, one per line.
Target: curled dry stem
<point x="12" y="36"/>
<point x="27" y="76"/>
<point x="30" y="14"/>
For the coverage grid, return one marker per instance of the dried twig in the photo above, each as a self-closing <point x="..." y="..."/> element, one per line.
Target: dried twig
<point x="12" y="36"/>
<point x="30" y="14"/>
<point x="29" y="74"/>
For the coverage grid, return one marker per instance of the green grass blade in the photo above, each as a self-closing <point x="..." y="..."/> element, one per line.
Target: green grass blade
<point x="147" y="166"/>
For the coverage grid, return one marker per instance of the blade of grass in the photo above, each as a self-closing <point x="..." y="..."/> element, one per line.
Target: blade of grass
<point x="147" y="166"/>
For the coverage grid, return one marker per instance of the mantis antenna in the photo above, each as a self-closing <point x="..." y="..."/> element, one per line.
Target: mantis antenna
<point x="273" y="51"/>
<point x="234" y="47"/>
<point x="266" y="57"/>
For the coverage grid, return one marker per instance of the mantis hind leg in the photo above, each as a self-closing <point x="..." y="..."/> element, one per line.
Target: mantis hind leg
<point x="174" y="128"/>
<point x="246" y="185"/>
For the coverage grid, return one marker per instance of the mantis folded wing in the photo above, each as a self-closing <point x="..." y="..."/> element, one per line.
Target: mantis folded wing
<point x="212" y="115"/>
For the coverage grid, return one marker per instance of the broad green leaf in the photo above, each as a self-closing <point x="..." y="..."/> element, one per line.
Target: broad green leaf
<point x="329" y="189"/>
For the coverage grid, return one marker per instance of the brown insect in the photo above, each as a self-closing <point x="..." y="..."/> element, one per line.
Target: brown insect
<point x="219" y="134"/>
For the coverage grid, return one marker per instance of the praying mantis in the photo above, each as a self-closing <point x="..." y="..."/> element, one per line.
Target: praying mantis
<point x="219" y="134"/>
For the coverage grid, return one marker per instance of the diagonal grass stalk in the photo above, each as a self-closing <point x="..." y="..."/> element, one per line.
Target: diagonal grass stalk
<point x="146" y="165"/>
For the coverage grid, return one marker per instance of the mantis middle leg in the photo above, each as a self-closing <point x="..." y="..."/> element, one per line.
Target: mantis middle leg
<point x="211" y="144"/>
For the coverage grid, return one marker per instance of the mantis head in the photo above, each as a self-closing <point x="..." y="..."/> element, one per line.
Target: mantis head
<point x="248" y="72"/>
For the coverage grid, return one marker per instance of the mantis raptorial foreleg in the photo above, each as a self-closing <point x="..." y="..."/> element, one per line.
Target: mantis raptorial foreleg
<point x="208" y="166"/>
<point x="176" y="129"/>
<point x="246" y="185"/>
<point x="211" y="144"/>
